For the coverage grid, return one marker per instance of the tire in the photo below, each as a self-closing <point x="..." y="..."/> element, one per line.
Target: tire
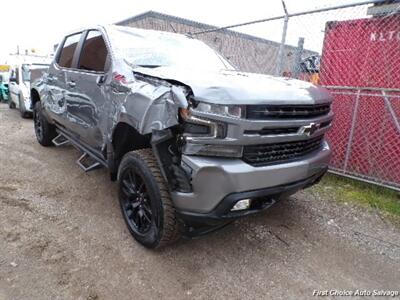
<point x="22" y="109"/>
<point x="45" y="132"/>
<point x="11" y="104"/>
<point x="145" y="200"/>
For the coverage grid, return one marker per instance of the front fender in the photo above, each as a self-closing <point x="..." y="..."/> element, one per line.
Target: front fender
<point x="149" y="107"/>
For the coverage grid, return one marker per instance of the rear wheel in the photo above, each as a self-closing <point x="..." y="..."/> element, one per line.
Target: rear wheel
<point x="45" y="132"/>
<point x="145" y="201"/>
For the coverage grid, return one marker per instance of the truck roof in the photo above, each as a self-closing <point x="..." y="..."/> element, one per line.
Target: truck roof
<point x="109" y="29"/>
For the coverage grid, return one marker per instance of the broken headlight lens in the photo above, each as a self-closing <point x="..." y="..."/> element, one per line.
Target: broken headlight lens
<point x="195" y="127"/>
<point x="233" y="111"/>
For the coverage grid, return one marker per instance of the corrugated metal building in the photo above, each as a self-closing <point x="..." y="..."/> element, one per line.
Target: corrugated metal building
<point x="247" y="52"/>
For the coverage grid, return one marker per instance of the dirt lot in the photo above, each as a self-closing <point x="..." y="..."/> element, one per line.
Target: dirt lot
<point x="62" y="237"/>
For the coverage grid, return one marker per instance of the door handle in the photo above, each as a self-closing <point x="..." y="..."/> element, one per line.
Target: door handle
<point x="71" y="83"/>
<point x="101" y="79"/>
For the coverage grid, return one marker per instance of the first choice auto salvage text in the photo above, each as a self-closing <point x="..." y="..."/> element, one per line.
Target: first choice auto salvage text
<point x="369" y="293"/>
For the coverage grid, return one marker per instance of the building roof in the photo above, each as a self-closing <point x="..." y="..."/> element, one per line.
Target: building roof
<point x="201" y="26"/>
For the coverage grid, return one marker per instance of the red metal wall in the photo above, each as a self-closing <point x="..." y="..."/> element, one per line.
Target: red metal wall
<point x="364" y="53"/>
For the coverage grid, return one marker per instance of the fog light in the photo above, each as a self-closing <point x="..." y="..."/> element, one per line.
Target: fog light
<point x="241" y="205"/>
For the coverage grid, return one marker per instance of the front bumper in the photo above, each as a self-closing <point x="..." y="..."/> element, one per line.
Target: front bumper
<point x="214" y="180"/>
<point x="263" y="199"/>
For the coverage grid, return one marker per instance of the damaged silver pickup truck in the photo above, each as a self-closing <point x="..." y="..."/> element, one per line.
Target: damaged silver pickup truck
<point x="193" y="143"/>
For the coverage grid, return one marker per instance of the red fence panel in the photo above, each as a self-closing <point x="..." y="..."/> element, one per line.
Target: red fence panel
<point x="361" y="66"/>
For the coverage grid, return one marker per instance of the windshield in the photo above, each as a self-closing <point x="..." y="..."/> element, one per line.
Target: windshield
<point x="154" y="49"/>
<point x="26" y="73"/>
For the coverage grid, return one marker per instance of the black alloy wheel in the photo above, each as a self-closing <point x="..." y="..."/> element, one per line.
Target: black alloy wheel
<point x="145" y="200"/>
<point x="136" y="202"/>
<point x="45" y="132"/>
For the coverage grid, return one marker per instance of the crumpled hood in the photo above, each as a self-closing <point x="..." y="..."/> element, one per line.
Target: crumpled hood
<point x="233" y="87"/>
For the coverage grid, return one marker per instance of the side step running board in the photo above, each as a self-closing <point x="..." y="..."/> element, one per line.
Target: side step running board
<point x="60" y="140"/>
<point x="87" y="163"/>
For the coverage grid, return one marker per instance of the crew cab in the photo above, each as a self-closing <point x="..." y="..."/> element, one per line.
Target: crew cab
<point x="192" y="142"/>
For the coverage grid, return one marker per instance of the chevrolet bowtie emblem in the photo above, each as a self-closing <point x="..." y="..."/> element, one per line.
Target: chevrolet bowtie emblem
<point x="309" y="130"/>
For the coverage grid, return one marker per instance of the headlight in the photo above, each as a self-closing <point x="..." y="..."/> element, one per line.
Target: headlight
<point x="233" y="111"/>
<point x="200" y="128"/>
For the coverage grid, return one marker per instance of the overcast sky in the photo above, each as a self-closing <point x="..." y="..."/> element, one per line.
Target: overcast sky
<point x="40" y="24"/>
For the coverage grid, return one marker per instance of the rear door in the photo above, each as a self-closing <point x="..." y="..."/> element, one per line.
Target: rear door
<point x="58" y="80"/>
<point x="87" y="105"/>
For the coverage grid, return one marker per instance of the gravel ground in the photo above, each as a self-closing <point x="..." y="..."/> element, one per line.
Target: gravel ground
<point x="62" y="237"/>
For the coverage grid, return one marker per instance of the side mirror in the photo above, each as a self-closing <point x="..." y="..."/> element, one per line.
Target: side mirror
<point x="13" y="79"/>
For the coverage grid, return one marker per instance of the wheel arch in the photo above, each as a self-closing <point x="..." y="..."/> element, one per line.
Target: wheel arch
<point x="125" y="138"/>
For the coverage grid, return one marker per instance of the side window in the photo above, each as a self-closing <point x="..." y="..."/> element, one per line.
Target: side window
<point x="68" y="50"/>
<point x="94" y="53"/>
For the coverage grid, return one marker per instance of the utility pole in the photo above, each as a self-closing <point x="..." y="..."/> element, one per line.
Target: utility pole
<point x="279" y="64"/>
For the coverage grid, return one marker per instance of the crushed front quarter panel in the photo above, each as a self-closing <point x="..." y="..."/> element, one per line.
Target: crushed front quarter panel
<point x="146" y="103"/>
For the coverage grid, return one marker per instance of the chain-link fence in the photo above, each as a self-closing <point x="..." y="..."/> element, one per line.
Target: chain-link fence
<point x="352" y="49"/>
